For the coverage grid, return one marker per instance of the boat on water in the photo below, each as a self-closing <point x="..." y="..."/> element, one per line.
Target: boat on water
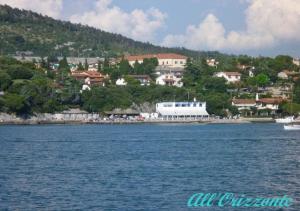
<point x="292" y="127"/>
<point x="285" y="120"/>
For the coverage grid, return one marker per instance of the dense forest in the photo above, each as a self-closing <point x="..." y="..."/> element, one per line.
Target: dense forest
<point x="22" y="30"/>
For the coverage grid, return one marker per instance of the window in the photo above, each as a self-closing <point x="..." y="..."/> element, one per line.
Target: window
<point x="181" y="62"/>
<point x="195" y="104"/>
<point x="175" y="62"/>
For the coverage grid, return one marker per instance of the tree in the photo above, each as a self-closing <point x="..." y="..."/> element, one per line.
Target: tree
<point x="63" y="65"/>
<point x="296" y="94"/>
<point x="5" y="80"/>
<point x="80" y="66"/>
<point x="19" y="72"/>
<point x="262" y="79"/>
<point x="14" y="103"/>
<point x="86" y="65"/>
<point x="124" y="67"/>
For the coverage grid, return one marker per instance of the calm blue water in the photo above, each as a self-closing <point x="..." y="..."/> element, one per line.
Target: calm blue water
<point x="144" y="167"/>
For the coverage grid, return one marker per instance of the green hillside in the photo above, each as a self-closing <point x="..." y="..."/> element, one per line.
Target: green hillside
<point x="22" y="30"/>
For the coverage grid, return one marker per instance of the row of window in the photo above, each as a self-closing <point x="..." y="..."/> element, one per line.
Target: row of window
<point x="183" y="105"/>
<point x="176" y="62"/>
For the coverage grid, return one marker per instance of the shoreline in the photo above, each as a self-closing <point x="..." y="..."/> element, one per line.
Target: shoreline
<point x="82" y="122"/>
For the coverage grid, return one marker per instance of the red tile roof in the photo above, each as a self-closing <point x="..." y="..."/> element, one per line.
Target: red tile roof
<point x="158" y="56"/>
<point x="244" y="101"/>
<point x="86" y="74"/>
<point x="276" y="100"/>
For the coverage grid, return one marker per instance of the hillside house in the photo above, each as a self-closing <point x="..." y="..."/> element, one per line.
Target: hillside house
<point x="230" y="77"/>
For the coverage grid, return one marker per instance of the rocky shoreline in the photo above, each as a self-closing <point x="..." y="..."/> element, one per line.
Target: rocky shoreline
<point x="93" y="118"/>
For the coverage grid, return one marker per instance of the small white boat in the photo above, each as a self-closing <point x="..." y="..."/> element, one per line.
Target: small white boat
<point x="285" y="120"/>
<point x="292" y="127"/>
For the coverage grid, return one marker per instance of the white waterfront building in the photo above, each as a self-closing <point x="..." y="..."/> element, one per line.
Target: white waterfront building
<point x="175" y="110"/>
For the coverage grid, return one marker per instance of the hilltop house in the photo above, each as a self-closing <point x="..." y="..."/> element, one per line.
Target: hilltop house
<point x="296" y="61"/>
<point x="164" y="59"/>
<point x="212" y="62"/>
<point x="230" y="77"/>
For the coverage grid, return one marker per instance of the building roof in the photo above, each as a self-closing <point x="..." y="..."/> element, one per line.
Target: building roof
<point x="158" y="56"/>
<point x="244" y="101"/>
<point x="86" y="74"/>
<point x="275" y="100"/>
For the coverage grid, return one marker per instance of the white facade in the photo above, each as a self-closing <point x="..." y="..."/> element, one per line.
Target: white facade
<point x="169" y="79"/>
<point x="165" y="62"/>
<point x="164" y="59"/>
<point x="212" y="62"/>
<point x="182" y="109"/>
<point x="296" y="62"/>
<point x="283" y="75"/>
<point x="230" y="77"/>
<point x="121" y="82"/>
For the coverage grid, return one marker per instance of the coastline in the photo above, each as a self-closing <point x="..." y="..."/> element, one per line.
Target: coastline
<point x="19" y="121"/>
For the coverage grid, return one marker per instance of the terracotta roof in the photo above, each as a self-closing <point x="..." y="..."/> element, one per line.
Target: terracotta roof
<point x="276" y="100"/>
<point x="85" y="74"/>
<point x="243" y="101"/>
<point x="158" y="56"/>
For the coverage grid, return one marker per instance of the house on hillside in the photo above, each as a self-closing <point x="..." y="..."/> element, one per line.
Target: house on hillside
<point x="230" y="77"/>
<point x="212" y="62"/>
<point x="296" y="61"/>
<point x="169" y="79"/>
<point x="265" y="106"/>
<point x="89" y="78"/>
<point x="144" y="80"/>
<point x="164" y="59"/>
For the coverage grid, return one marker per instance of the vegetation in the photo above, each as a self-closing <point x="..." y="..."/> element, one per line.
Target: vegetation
<point x="22" y="30"/>
<point x="29" y="88"/>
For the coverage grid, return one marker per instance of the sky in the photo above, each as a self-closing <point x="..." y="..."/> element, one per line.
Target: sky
<point x="253" y="27"/>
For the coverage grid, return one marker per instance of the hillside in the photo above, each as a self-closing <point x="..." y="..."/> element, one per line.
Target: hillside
<point x="22" y="30"/>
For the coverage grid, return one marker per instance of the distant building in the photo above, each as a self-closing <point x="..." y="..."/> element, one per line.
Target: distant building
<point x="169" y="79"/>
<point x="230" y="77"/>
<point x="121" y="82"/>
<point x="212" y="62"/>
<point x="182" y="109"/>
<point x="286" y="74"/>
<point x="296" y="61"/>
<point x="164" y="59"/>
<point x="283" y="75"/>
<point x="89" y="78"/>
<point x="144" y="80"/>
<point x="269" y="105"/>
<point x="244" y="104"/>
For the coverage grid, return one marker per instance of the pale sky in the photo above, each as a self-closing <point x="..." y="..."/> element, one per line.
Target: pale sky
<point x="255" y="27"/>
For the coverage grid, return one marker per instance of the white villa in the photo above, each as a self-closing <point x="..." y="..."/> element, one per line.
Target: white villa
<point x="212" y="62"/>
<point x="230" y="77"/>
<point x="169" y="79"/>
<point x="182" y="109"/>
<point x="164" y="59"/>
